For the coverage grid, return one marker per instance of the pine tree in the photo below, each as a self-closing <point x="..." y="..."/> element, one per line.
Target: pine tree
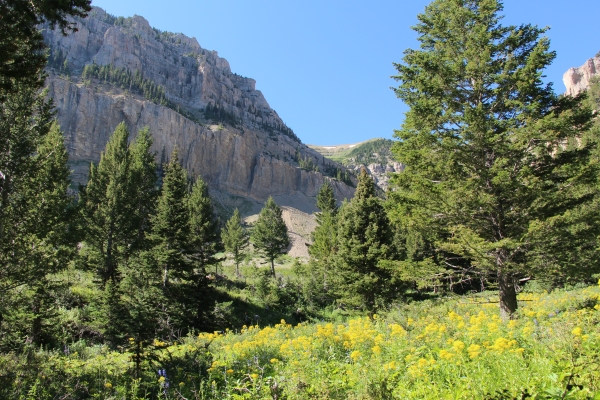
<point x="143" y="177"/>
<point x="203" y="246"/>
<point x="326" y="199"/>
<point x="364" y="242"/>
<point x="496" y="163"/>
<point x="235" y="239"/>
<point x="269" y="234"/>
<point x="170" y="224"/>
<point x="108" y="208"/>
<point x="324" y="237"/>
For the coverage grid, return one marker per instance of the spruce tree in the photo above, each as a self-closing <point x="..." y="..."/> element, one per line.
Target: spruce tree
<point x="364" y="242"/>
<point x="170" y="224"/>
<point x="326" y="199"/>
<point x="324" y="237"/>
<point x="497" y="164"/>
<point x="269" y="234"/>
<point x="235" y="239"/>
<point x="143" y="177"/>
<point x="203" y="245"/>
<point x="108" y="208"/>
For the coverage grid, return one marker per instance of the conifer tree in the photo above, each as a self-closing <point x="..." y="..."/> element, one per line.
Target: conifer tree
<point x="364" y="242"/>
<point x="50" y="220"/>
<point x="203" y="245"/>
<point x="108" y="207"/>
<point x="326" y="199"/>
<point x="39" y="222"/>
<point x="170" y="223"/>
<point x="269" y="234"/>
<point x="143" y="177"/>
<point x="235" y="239"/>
<point x="24" y="122"/>
<point x="324" y="237"/>
<point x="497" y="164"/>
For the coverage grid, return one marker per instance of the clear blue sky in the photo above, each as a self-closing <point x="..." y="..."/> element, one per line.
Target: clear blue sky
<point x="325" y="65"/>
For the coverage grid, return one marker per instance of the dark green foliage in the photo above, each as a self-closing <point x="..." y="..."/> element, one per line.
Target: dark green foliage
<point x="203" y="245"/>
<point x="235" y="239"/>
<point x="143" y="179"/>
<point x="21" y="44"/>
<point x="36" y="238"/>
<point x="108" y="204"/>
<point x="170" y="224"/>
<point x="494" y="170"/>
<point x="125" y="79"/>
<point x="219" y="114"/>
<point x="364" y="242"/>
<point x="269" y="234"/>
<point x="307" y="164"/>
<point x="326" y="199"/>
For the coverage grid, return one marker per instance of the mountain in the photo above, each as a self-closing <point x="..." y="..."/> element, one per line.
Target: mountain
<point x="116" y="69"/>
<point x="374" y="155"/>
<point x="578" y="79"/>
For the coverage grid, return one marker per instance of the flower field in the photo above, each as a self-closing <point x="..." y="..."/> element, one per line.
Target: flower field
<point x="455" y="349"/>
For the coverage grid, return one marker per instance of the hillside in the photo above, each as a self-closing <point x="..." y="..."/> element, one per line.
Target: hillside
<point x="374" y="155"/>
<point x="118" y="69"/>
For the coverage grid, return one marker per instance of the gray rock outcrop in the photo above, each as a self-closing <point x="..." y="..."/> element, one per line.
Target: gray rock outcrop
<point x="243" y="148"/>
<point x="577" y="80"/>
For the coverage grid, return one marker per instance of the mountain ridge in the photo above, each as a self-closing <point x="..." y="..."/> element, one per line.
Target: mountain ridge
<point x="374" y="155"/>
<point x="224" y="128"/>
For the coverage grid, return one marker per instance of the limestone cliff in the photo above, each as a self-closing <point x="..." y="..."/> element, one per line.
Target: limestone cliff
<point x="121" y="69"/>
<point x="577" y="80"/>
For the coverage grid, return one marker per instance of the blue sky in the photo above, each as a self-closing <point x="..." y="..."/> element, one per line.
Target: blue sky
<point x="325" y="65"/>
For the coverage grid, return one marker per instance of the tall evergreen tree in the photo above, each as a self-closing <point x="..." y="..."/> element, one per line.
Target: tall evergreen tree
<point x="108" y="207"/>
<point x="43" y="243"/>
<point x="143" y="178"/>
<point x="170" y="223"/>
<point x="326" y="199"/>
<point x="364" y="242"/>
<point x="235" y="239"/>
<point x="495" y="161"/>
<point x="324" y="237"/>
<point x="269" y="234"/>
<point x="25" y="120"/>
<point x="203" y="245"/>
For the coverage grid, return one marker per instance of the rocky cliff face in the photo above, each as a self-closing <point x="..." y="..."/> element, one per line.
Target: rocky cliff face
<point x="577" y="80"/>
<point x="223" y="127"/>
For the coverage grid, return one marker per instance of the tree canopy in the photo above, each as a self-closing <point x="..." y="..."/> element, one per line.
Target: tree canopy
<point x="497" y="164"/>
<point x="269" y="234"/>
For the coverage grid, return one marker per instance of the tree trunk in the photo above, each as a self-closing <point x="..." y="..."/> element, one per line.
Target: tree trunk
<point x="507" y="294"/>
<point x="273" y="267"/>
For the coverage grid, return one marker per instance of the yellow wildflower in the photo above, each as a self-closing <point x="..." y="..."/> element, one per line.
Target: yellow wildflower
<point x="458" y="346"/>
<point x="474" y="350"/>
